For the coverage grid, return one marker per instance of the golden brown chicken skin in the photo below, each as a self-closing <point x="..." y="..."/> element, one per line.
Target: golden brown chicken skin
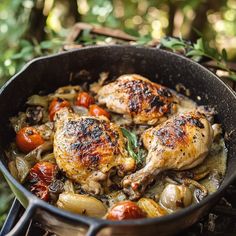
<point x="138" y="98"/>
<point x="87" y="148"/>
<point x="180" y="143"/>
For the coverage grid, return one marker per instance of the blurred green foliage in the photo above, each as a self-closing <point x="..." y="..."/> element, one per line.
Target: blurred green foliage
<point x="198" y="51"/>
<point x="16" y="46"/>
<point x="13" y="18"/>
<point x="6" y="198"/>
<point x="31" y="28"/>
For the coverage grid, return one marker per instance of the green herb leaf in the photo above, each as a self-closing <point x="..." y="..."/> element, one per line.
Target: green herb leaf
<point x="199" y="45"/>
<point x="173" y="43"/>
<point x="194" y="53"/>
<point x="132" y="146"/>
<point x="131" y="151"/>
<point x="131" y="137"/>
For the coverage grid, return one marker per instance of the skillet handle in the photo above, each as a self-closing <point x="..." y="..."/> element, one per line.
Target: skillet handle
<point x="21" y="226"/>
<point x="94" y="229"/>
<point x="11" y="217"/>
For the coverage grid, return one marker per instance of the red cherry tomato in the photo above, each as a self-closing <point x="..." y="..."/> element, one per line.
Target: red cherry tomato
<point x="41" y="190"/>
<point x="28" y="138"/>
<point x="43" y="172"/>
<point x="56" y="105"/>
<point x="124" y="211"/>
<point x="84" y="99"/>
<point x="95" y="110"/>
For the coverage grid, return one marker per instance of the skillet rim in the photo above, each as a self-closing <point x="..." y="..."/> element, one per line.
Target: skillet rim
<point x="103" y="222"/>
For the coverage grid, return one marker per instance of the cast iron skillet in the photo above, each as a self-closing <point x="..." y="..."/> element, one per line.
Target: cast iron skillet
<point x="48" y="73"/>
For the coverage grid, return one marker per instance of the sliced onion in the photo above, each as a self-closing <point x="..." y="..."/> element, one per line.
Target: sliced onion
<point x="37" y="100"/>
<point x="81" y="204"/>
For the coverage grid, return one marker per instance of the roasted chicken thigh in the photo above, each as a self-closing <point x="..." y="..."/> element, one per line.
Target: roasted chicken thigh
<point x="87" y="148"/>
<point x="91" y="149"/>
<point x="180" y="143"/>
<point x="138" y="98"/>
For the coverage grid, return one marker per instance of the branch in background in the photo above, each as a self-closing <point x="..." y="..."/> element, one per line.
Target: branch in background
<point x="104" y="31"/>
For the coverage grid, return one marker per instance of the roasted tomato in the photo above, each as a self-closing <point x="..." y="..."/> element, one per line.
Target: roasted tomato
<point x="124" y="211"/>
<point x="95" y="110"/>
<point x="28" y="138"/>
<point x="84" y="99"/>
<point x="43" y="172"/>
<point x="41" y="190"/>
<point x="56" y="105"/>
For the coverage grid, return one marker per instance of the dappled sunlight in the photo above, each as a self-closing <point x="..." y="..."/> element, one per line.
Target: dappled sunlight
<point x="41" y="20"/>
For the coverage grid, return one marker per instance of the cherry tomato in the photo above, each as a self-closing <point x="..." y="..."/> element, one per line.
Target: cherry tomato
<point x="41" y="190"/>
<point x="84" y="99"/>
<point x="95" y="110"/>
<point x="43" y="172"/>
<point x="56" y="105"/>
<point x="125" y="210"/>
<point x="28" y="138"/>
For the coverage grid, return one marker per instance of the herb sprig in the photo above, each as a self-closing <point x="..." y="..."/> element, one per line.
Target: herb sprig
<point x="199" y="50"/>
<point x="132" y="146"/>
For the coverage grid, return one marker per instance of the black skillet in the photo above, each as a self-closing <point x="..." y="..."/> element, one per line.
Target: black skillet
<point x="75" y="67"/>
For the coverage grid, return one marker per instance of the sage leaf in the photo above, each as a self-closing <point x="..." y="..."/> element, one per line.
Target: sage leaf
<point x="132" y="146"/>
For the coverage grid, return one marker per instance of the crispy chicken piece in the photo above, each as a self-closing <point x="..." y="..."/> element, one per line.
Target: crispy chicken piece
<point x="138" y="98"/>
<point x="87" y="148"/>
<point x="180" y="143"/>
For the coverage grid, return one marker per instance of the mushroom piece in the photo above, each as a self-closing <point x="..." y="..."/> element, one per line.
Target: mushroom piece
<point x="200" y="192"/>
<point x="34" y="115"/>
<point x="197" y="173"/>
<point x="190" y="178"/>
